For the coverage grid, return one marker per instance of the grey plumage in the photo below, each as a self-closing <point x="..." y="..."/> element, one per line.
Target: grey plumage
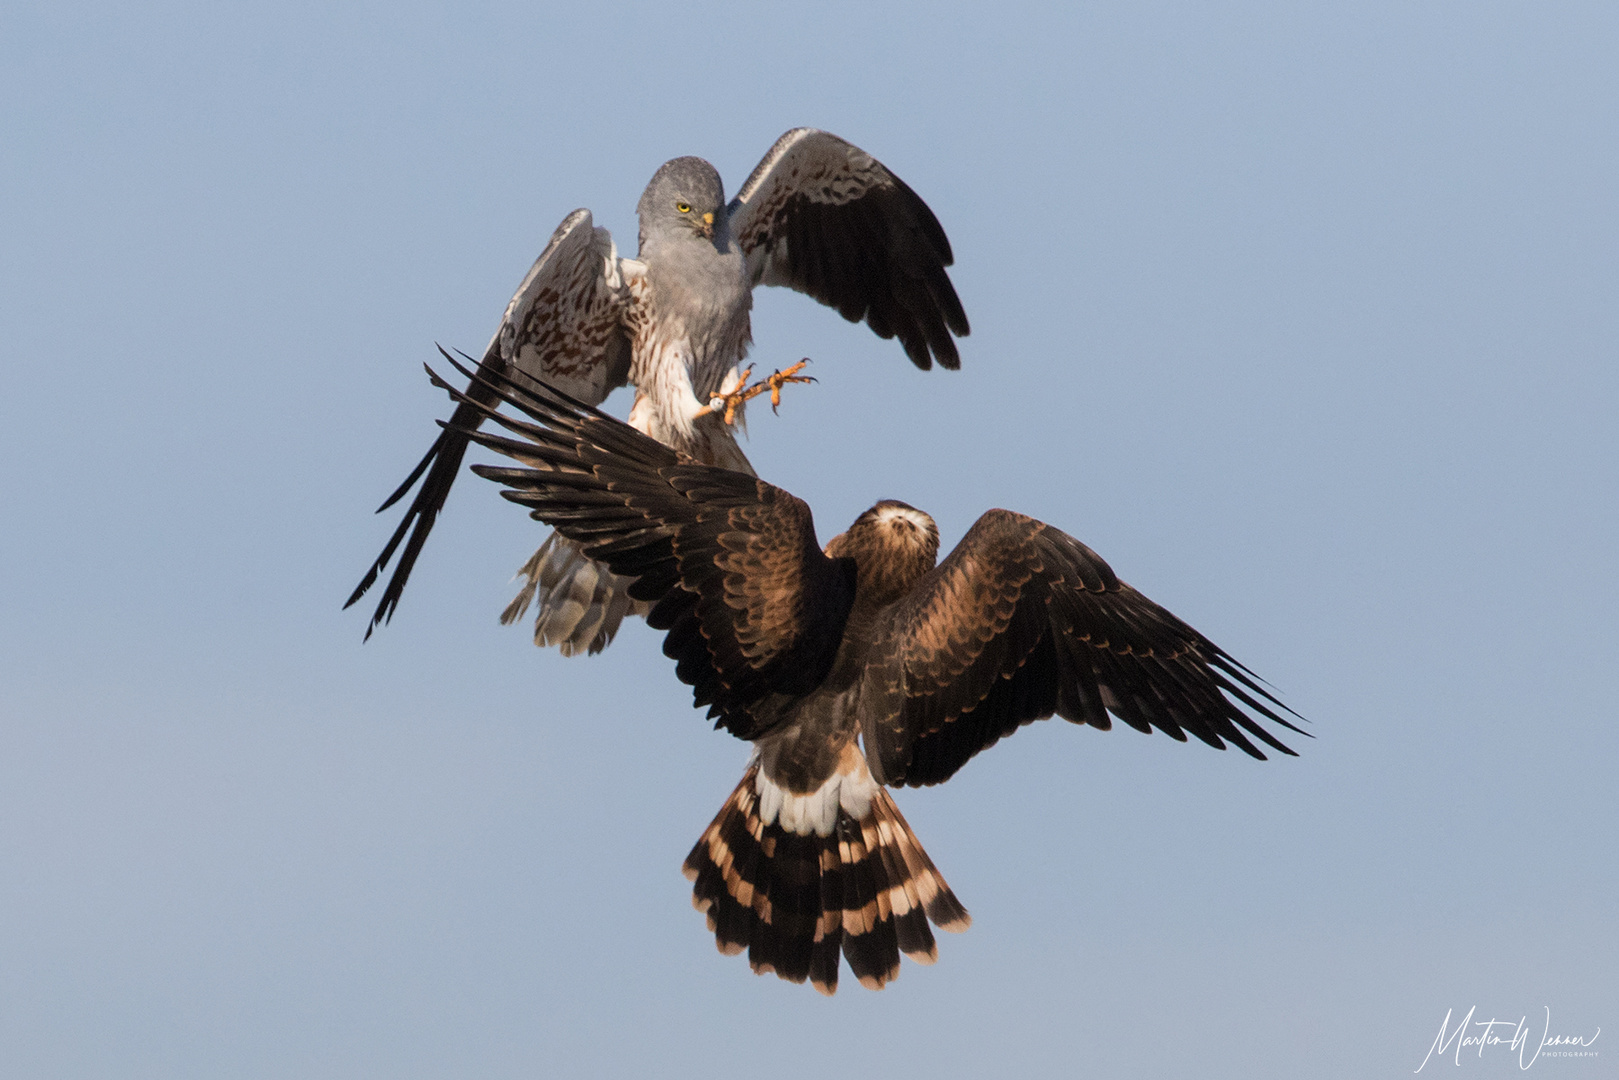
<point x="817" y="215"/>
<point x="583" y="602"/>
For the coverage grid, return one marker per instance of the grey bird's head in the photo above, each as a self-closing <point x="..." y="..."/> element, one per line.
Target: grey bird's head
<point x="685" y="200"/>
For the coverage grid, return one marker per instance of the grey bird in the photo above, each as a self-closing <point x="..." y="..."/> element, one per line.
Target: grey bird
<point x="818" y="215"/>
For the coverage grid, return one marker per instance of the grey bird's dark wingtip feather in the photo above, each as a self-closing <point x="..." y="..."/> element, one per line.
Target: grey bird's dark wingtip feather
<point x="540" y="400"/>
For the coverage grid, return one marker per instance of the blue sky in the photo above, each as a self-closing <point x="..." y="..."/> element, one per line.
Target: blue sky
<point x="1303" y="316"/>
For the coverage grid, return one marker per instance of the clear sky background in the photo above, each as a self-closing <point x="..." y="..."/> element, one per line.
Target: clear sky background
<point x="1303" y="316"/>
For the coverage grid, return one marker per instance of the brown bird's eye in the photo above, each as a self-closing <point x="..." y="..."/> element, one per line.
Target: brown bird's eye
<point x="684" y="208"/>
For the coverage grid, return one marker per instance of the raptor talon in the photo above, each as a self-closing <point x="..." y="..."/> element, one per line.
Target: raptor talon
<point x="782" y="378"/>
<point x="729" y="403"/>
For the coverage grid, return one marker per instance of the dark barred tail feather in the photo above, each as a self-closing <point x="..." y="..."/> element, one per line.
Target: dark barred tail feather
<point x="795" y="902"/>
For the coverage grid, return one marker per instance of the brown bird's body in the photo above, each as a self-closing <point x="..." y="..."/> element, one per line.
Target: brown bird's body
<point x="865" y="665"/>
<point x="810" y="855"/>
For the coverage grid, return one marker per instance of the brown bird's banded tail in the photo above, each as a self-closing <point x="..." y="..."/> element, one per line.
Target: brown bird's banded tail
<point x="795" y="902"/>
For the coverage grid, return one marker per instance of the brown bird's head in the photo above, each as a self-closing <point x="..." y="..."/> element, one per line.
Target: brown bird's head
<point x="893" y="544"/>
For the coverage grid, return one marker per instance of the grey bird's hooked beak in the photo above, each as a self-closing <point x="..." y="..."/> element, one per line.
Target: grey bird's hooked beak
<point x="707" y="227"/>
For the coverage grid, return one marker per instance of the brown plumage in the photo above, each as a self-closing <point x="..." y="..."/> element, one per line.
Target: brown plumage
<point x="867" y="890"/>
<point x="861" y="665"/>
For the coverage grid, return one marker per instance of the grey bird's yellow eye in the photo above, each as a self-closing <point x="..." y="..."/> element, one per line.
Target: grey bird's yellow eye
<point x="684" y="208"/>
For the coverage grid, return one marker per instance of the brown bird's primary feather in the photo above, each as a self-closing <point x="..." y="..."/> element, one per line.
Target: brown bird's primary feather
<point x="854" y="667"/>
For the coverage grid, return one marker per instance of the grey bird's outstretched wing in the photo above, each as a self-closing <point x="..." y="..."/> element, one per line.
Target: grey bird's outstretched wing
<point x="565" y="325"/>
<point x="1021" y="622"/>
<point x="824" y="217"/>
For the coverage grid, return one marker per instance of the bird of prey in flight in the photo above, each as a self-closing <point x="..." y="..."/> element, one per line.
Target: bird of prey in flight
<point x="853" y="668"/>
<point x="818" y="215"/>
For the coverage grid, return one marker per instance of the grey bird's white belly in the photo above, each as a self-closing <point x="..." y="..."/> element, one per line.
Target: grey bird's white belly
<point x="689" y="352"/>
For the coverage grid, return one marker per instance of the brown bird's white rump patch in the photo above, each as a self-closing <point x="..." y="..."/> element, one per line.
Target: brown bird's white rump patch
<point x="849" y="790"/>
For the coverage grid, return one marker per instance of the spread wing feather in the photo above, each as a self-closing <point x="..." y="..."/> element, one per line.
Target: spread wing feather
<point x="1022" y="622"/>
<point x="822" y="216"/>
<point x="752" y="606"/>
<point x="565" y="325"/>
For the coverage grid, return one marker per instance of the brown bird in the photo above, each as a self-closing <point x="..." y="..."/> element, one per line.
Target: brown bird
<point x="853" y="668"/>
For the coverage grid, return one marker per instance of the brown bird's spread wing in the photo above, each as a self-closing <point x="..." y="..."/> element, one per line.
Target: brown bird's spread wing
<point x="565" y="325"/>
<point x="751" y="605"/>
<point x="822" y="216"/>
<point x="1021" y="622"/>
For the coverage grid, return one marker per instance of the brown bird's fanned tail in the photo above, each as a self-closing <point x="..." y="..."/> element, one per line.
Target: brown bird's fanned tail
<point x="795" y="902"/>
<point x="581" y="602"/>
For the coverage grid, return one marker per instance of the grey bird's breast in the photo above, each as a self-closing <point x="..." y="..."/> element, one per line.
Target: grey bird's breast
<point x="700" y="304"/>
<point x="689" y="320"/>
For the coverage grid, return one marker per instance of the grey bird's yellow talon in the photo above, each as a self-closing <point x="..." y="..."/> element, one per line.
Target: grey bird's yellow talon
<point x="731" y="402"/>
<point x="782" y="378"/>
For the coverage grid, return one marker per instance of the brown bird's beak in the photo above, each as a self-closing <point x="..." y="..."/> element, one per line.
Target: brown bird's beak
<point x="707" y="227"/>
